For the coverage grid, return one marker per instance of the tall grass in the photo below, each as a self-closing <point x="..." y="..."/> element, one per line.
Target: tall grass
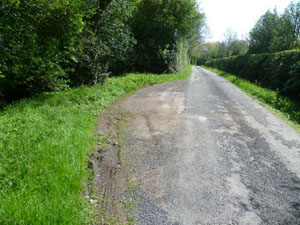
<point x="287" y="109"/>
<point x="45" y="143"/>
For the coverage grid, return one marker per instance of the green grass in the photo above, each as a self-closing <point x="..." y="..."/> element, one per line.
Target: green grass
<point x="45" y="143"/>
<point x="282" y="106"/>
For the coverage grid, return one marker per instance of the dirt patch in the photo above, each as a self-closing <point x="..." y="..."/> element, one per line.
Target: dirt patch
<point x="149" y="116"/>
<point x="158" y="112"/>
<point x="112" y="171"/>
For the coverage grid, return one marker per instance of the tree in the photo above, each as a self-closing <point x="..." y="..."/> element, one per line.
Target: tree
<point x="106" y="43"/>
<point x="229" y="38"/>
<point x="38" y="43"/>
<point x="213" y="50"/>
<point x="285" y="37"/>
<point x="163" y="29"/>
<point x="263" y="33"/>
<point x="52" y="45"/>
<point x="294" y="16"/>
<point x="273" y="32"/>
<point x="239" y="47"/>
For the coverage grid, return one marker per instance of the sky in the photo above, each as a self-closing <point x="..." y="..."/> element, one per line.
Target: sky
<point x="237" y="15"/>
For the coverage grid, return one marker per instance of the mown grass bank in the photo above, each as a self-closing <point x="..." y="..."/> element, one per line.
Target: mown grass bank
<point x="45" y="143"/>
<point x="284" y="107"/>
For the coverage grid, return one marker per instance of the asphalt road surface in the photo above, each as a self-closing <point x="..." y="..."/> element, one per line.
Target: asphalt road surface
<point x="203" y="152"/>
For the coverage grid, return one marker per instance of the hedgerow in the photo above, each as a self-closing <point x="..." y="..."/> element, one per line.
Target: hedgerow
<point x="278" y="71"/>
<point x="53" y="45"/>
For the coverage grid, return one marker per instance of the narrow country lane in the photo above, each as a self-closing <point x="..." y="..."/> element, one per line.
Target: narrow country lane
<point x="203" y="152"/>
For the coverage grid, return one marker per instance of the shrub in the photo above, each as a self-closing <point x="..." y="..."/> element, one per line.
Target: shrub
<point x="278" y="71"/>
<point x="38" y="42"/>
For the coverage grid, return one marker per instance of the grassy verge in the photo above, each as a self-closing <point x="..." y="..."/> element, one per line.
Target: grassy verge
<point x="282" y="106"/>
<point x="45" y="143"/>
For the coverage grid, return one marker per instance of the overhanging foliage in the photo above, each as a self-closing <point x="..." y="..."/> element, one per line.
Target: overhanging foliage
<point x="52" y="45"/>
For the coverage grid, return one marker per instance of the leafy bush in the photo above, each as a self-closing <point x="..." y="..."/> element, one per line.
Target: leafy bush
<point x="106" y="43"/>
<point x="278" y="71"/>
<point x="38" y="42"/>
<point x="52" y="45"/>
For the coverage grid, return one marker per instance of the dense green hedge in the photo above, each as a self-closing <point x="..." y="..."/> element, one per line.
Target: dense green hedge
<point x="53" y="45"/>
<point x="278" y="71"/>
